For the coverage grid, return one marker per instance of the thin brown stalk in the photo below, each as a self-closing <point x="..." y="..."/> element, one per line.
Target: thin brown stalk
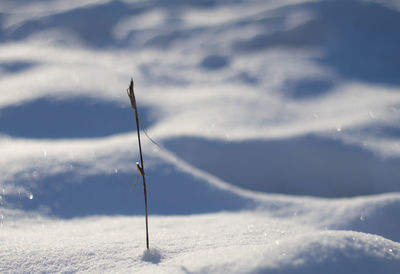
<point x="140" y="167"/>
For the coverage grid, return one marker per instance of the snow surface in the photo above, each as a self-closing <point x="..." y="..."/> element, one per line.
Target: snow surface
<point x="278" y="125"/>
<point x="218" y="242"/>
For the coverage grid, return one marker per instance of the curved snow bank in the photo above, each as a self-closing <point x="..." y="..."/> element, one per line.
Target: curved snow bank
<point x="338" y="252"/>
<point x="238" y="77"/>
<point x="320" y="252"/>
<point x="214" y="243"/>
<point x="371" y="214"/>
<point x="175" y="187"/>
<point x="375" y="215"/>
<point x="305" y="165"/>
<point x="278" y="71"/>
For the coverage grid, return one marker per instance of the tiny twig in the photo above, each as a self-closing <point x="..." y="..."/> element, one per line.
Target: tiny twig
<point x="139" y="167"/>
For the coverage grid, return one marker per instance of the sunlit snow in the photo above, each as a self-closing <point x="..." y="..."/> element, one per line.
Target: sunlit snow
<point x="275" y="132"/>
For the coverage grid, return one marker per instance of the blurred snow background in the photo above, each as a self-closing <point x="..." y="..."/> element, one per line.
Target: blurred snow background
<point x="278" y="120"/>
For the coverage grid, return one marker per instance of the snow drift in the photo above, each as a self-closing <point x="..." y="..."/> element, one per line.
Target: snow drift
<point x="277" y="124"/>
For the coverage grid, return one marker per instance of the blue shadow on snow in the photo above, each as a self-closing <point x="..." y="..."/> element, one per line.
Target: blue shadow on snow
<point x="170" y="192"/>
<point x="306" y="165"/>
<point x="70" y="118"/>
<point x="359" y="39"/>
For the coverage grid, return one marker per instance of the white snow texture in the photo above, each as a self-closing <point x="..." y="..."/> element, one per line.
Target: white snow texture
<point x="277" y="123"/>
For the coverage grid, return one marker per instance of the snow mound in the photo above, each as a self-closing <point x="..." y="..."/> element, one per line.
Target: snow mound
<point x="152" y="255"/>
<point x="299" y="98"/>
<point x="242" y="242"/>
<point x="372" y="214"/>
<point x="320" y="252"/>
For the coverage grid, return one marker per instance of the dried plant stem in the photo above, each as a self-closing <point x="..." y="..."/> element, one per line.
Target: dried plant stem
<point x="140" y="167"/>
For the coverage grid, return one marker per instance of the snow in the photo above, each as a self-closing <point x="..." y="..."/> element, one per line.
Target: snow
<point x="277" y="124"/>
<point x="220" y="242"/>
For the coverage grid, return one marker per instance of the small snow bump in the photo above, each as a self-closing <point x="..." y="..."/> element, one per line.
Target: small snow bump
<point x="152" y="255"/>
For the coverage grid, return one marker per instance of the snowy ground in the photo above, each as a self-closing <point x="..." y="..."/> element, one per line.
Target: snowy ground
<point x="278" y="123"/>
<point x="210" y="243"/>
